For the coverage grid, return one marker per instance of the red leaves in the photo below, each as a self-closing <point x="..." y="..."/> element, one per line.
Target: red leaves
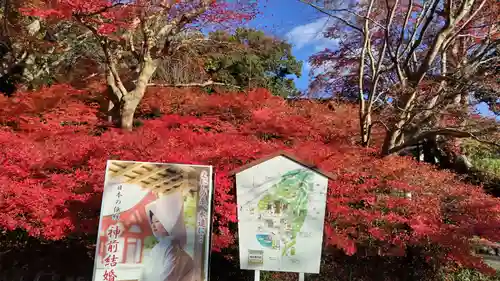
<point x="232" y="14"/>
<point x="264" y="114"/>
<point x="45" y="13"/>
<point x="52" y="164"/>
<point x="106" y="28"/>
<point x="392" y="221"/>
<point x="377" y="233"/>
<point x="339" y="240"/>
<point x="109" y="16"/>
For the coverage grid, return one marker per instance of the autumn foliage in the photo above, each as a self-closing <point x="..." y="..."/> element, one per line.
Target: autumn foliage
<point x="54" y="146"/>
<point x="416" y="68"/>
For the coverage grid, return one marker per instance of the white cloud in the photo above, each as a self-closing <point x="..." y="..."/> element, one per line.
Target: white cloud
<point x="306" y="66"/>
<point x="310" y="34"/>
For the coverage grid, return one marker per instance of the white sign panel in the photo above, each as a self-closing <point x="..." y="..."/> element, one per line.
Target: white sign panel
<point x="281" y="210"/>
<point x="155" y="222"/>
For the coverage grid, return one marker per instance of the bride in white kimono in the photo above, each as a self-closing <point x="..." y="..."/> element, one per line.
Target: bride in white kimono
<point x="168" y="261"/>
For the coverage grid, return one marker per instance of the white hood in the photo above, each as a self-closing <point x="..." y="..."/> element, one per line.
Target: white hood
<point x="169" y="209"/>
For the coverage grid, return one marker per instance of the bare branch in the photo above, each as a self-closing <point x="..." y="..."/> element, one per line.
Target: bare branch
<point x="421" y="35"/>
<point x="376" y="71"/>
<point x="322" y="10"/>
<point x="476" y="11"/>
<point x="440" y="132"/>
<point x="441" y="39"/>
<point x="202" y="84"/>
<point x="381" y="123"/>
<point x="100" y="11"/>
<point x="359" y="16"/>
<point x="110" y="63"/>
<point x="420" y="18"/>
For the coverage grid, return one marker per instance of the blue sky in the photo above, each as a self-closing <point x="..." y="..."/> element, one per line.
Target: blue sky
<point x="298" y="24"/>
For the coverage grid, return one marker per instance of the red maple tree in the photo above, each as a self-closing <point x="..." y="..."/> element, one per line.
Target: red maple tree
<point x="139" y="34"/>
<point x="411" y="64"/>
<point x="53" y="152"/>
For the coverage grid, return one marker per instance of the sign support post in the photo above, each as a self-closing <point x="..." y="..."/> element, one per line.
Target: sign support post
<point x="301" y="276"/>
<point x="257" y="275"/>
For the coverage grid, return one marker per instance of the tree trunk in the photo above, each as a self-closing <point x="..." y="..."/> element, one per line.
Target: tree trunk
<point x="128" y="107"/>
<point x="127" y="111"/>
<point x="428" y="152"/>
<point x="390" y="141"/>
<point x="128" y="101"/>
<point x="365" y="121"/>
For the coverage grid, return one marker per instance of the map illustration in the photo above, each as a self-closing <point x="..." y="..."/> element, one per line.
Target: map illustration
<point x="282" y="211"/>
<point x="281" y="216"/>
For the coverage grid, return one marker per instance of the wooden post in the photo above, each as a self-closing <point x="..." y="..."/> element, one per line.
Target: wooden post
<point x="301" y="276"/>
<point x="257" y="275"/>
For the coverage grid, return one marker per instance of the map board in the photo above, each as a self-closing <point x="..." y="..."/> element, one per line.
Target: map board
<point x="281" y="210"/>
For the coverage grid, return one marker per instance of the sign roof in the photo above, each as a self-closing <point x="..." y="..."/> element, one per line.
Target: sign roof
<point x="287" y="155"/>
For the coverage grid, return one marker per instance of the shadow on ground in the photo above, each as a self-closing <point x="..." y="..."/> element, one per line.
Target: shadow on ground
<point x="24" y="258"/>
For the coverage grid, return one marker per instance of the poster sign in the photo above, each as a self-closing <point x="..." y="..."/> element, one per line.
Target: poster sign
<point x="155" y="223"/>
<point x="281" y="210"/>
